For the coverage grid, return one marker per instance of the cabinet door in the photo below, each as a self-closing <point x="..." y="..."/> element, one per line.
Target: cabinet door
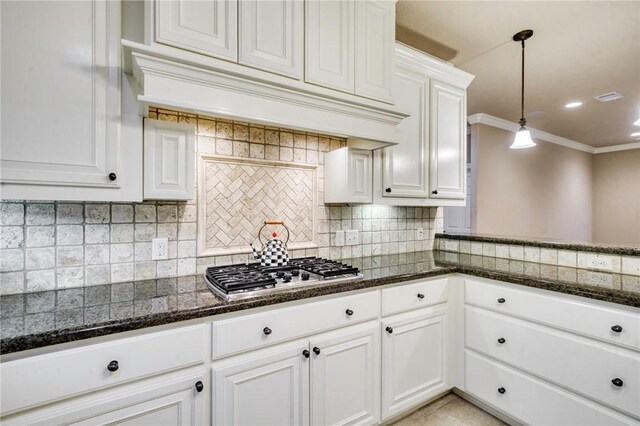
<point x="271" y="35"/>
<point x="167" y="402"/>
<point x="169" y="160"/>
<point x="329" y="43"/>
<point x="209" y="27"/>
<point x="414" y="358"/>
<point x="345" y="371"/>
<point x="60" y="94"/>
<point x="448" y="137"/>
<point x="268" y="387"/>
<point x="405" y="165"/>
<point x="375" y="42"/>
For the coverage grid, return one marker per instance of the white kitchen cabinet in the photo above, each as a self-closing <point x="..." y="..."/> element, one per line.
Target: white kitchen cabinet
<point x="448" y="141"/>
<point x="415" y="357"/>
<point x="348" y="176"/>
<point x="170" y="401"/>
<point x="345" y="376"/>
<point x="65" y="134"/>
<point x="268" y="387"/>
<point x="329" y="44"/>
<point x="207" y="27"/>
<point x="405" y="166"/>
<point x="271" y="35"/>
<point x="374" y="52"/>
<point x="169" y="160"/>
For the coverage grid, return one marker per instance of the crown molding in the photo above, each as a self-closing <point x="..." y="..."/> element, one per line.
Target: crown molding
<point x="510" y="126"/>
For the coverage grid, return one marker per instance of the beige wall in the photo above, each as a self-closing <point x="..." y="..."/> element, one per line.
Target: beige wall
<point x="544" y="192"/>
<point x="616" y="197"/>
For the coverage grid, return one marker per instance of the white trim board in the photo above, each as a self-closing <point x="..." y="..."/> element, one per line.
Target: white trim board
<point x="490" y="120"/>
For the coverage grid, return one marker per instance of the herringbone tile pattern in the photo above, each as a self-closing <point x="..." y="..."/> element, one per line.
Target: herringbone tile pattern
<point x="239" y="197"/>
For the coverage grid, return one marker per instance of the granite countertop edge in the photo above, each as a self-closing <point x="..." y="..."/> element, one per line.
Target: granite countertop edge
<point x="39" y="340"/>
<point x="593" y="248"/>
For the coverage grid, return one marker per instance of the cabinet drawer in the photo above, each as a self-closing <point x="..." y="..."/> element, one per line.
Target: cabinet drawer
<point x="578" y="363"/>
<point x="530" y="400"/>
<point x="252" y="331"/>
<point x="407" y="297"/>
<point x="573" y="315"/>
<point x="35" y="380"/>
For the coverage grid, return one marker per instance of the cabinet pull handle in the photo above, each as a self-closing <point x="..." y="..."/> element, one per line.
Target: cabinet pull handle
<point x="434" y="192"/>
<point x="501" y="300"/>
<point x="199" y="386"/>
<point x="316" y="350"/>
<point x="501" y="390"/>
<point x="420" y="296"/>
<point x="113" y="366"/>
<point x="388" y="190"/>
<point x="617" y="382"/>
<point x="305" y="353"/>
<point x="349" y="312"/>
<point x="501" y="340"/>
<point x="389" y="330"/>
<point x="266" y="331"/>
<point x="112" y="177"/>
<point x="616" y="328"/>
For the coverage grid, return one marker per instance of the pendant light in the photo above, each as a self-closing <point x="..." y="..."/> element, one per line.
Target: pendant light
<point x="523" y="136"/>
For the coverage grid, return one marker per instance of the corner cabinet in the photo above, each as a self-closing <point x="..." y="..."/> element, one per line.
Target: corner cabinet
<point x="70" y="123"/>
<point x="428" y="166"/>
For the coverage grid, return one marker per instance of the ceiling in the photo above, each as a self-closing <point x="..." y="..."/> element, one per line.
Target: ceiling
<point x="580" y="49"/>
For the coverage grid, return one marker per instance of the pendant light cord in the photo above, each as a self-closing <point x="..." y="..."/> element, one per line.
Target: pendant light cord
<point x="523" y="121"/>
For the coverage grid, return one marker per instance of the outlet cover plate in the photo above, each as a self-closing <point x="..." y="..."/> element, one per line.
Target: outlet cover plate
<point x="159" y="249"/>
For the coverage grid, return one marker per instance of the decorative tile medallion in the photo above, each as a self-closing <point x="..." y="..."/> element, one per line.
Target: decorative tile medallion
<point x="237" y="196"/>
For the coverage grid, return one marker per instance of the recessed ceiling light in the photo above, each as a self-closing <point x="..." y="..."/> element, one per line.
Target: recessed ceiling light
<point x="573" y="104"/>
<point x="635" y="134"/>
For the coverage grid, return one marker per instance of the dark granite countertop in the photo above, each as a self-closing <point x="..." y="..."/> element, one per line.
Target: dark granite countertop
<point x="34" y="320"/>
<point x="545" y="243"/>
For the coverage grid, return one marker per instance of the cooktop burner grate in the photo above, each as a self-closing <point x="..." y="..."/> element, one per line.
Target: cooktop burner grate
<point x="323" y="267"/>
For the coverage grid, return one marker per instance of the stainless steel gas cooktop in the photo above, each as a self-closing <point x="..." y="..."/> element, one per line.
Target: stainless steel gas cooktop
<point x="249" y="280"/>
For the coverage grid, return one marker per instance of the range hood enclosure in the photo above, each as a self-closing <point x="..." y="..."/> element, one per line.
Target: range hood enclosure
<point x="170" y="80"/>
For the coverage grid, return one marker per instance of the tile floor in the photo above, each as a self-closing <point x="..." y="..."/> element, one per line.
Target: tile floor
<point x="450" y="410"/>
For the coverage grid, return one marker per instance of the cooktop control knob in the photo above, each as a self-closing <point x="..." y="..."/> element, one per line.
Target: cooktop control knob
<point x="295" y="272"/>
<point x="279" y="274"/>
<point x="305" y="276"/>
<point x="286" y="278"/>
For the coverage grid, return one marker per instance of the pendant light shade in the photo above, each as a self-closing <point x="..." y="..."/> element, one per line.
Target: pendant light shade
<point x="523" y="136"/>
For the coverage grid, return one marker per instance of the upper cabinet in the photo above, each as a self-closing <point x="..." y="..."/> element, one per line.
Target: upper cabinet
<point x="207" y="27"/>
<point x="349" y="46"/>
<point x="70" y="125"/>
<point x="271" y="35"/>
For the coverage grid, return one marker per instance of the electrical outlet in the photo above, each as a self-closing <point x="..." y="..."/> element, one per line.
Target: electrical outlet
<point x="352" y="237"/>
<point x="599" y="279"/>
<point x="420" y="234"/>
<point x="159" y="249"/>
<point x="339" y="240"/>
<point x="594" y="261"/>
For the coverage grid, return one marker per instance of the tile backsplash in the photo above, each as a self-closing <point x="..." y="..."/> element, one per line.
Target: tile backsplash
<point x="53" y="244"/>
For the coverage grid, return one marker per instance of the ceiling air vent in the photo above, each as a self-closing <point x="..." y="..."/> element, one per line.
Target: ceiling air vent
<point x="606" y="97"/>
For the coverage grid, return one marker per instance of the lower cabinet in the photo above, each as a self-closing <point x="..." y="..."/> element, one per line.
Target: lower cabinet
<point x="168" y="401"/>
<point x="330" y="378"/>
<point x="414" y="359"/>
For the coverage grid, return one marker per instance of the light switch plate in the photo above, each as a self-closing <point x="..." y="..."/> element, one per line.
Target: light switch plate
<point x="352" y="237"/>
<point x="339" y="240"/>
<point x="159" y="249"/>
<point x="420" y="234"/>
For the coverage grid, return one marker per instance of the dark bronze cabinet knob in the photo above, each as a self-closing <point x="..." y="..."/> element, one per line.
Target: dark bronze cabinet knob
<point x="349" y="312"/>
<point x="112" y="177"/>
<point x="316" y="350"/>
<point x="420" y="296"/>
<point x="501" y="390"/>
<point x="616" y="328"/>
<point x="113" y="366"/>
<point x="199" y="386"/>
<point x="388" y="190"/>
<point x="434" y="192"/>
<point x="389" y="330"/>
<point x="266" y="331"/>
<point x="501" y="340"/>
<point x="617" y="382"/>
<point x="501" y="300"/>
<point x="305" y="353"/>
